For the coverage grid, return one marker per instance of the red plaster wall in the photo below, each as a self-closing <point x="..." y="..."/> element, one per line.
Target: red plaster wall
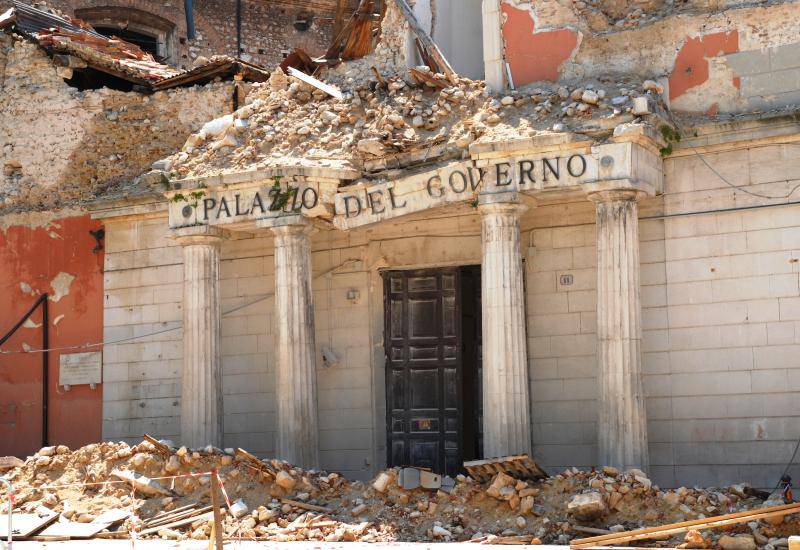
<point x="691" y="65"/>
<point x="36" y="256"/>
<point x="534" y="56"/>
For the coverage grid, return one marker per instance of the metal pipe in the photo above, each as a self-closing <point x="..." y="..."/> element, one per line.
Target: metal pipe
<point x="45" y="370"/>
<point x="238" y="28"/>
<point x="24" y="318"/>
<point x="189" y="9"/>
<point x="10" y="487"/>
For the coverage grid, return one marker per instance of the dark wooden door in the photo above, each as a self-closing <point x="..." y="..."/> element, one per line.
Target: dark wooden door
<point x="424" y="378"/>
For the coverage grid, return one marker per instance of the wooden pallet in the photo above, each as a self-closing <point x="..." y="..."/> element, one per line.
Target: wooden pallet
<point x="666" y="531"/>
<point x="517" y="466"/>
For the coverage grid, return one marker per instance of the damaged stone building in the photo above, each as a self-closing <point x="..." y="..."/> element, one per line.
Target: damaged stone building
<point x="580" y="240"/>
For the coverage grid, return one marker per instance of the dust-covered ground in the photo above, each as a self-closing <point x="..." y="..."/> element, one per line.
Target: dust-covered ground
<point x="84" y="483"/>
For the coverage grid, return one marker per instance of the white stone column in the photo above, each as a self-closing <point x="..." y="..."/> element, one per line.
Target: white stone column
<point x="296" y="389"/>
<point x="506" y="401"/>
<point x="622" y="421"/>
<point x="201" y="378"/>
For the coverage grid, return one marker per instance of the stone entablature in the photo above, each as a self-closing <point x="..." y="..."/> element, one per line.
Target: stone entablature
<point x="553" y="167"/>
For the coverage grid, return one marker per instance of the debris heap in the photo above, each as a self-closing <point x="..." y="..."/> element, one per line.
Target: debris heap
<point x="165" y="492"/>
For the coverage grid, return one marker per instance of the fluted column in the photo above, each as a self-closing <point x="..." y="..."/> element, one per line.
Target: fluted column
<point x="506" y="402"/>
<point x="201" y="377"/>
<point x="622" y="421"/>
<point x="296" y="352"/>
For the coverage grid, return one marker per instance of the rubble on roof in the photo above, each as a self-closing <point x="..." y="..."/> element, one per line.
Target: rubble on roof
<point x="289" y="122"/>
<point x="61" y="34"/>
<point x="388" y="111"/>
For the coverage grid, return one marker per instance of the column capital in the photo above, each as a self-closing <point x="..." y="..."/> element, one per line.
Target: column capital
<point x="617" y="190"/>
<point x="295" y="224"/>
<point x="199" y="234"/>
<point x="501" y="203"/>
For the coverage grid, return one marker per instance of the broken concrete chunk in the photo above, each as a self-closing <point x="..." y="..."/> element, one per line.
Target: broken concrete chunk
<point x="587" y="506"/>
<point x="47" y="451"/>
<point x="499" y="482"/>
<point x="9" y="462"/>
<point x="591" y="97"/>
<point x="381" y="482"/>
<point x="285" y="480"/>
<point x="141" y="483"/>
<point x="641" y="106"/>
<point x="372" y="146"/>
<point x="739" y="542"/>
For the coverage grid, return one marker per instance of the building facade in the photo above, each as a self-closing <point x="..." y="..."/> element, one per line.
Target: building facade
<point x="604" y="296"/>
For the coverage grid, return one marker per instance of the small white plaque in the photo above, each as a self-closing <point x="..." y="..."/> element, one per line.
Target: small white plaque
<point x="80" y="368"/>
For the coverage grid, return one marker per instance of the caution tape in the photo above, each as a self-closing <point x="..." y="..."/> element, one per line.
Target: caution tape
<point x="91" y="483"/>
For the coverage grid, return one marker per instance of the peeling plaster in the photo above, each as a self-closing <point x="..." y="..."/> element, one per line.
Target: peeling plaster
<point x="535" y="56"/>
<point x="58" y="319"/>
<point x="26" y="289"/>
<point x="718" y="92"/>
<point x="35" y="220"/>
<point x="60" y="285"/>
<point x="692" y="63"/>
<point x="29" y="323"/>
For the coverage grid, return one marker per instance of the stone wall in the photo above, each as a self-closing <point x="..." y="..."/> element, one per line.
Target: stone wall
<point x="721" y="320"/>
<point x="710" y="58"/>
<point x="60" y="145"/>
<point x="267" y="27"/>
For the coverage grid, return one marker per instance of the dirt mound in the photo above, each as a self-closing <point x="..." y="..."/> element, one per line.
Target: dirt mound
<point x="281" y="502"/>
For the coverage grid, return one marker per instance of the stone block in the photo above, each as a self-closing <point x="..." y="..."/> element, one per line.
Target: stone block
<point x="542" y="304"/>
<point x="772" y="357"/>
<point x="543" y="369"/>
<point x="551" y="259"/>
<point x="556" y="324"/>
<point x="711" y="383"/>
<point x="749" y="62"/>
<point x="784" y="57"/>
<point x="781" y="333"/>
<point x="582" y="300"/>
<point x="775" y="82"/>
<point x="770" y="381"/>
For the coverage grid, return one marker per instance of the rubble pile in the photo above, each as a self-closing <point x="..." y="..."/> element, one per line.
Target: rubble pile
<point x="272" y="500"/>
<point x="288" y="122"/>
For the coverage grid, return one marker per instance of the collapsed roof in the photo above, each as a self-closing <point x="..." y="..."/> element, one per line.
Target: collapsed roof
<point x="75" y="44"/>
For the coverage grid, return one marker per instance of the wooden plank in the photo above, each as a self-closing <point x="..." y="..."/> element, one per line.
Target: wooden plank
<point x="181" y="515"/>
<point x="73" y="530"/>
<point x="181" y="522"/>
<point x="332" y="91"/>
<point x="172" y="512"/>
<point x="160" y="447"/>
<point x="25" y="525"/>
<point x="518" y="466"/>
<point x="255" y="462"/>
<point x="427" y="42"/>
<point x="217" y="513"/>
<point x="306" y="506"/>
<point x="681" y="527"/>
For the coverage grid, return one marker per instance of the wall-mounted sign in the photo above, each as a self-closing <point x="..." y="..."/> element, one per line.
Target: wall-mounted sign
<point x="80" y="368"/>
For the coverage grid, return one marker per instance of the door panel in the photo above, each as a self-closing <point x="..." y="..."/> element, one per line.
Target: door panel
<point x="424" y="371"/>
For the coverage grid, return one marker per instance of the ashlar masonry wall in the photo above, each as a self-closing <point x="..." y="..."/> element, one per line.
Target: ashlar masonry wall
<point x="721" y="321"/>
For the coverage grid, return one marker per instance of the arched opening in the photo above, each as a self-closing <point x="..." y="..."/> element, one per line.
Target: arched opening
<point x="147" y="42"/>
<point x="152" y="33"/>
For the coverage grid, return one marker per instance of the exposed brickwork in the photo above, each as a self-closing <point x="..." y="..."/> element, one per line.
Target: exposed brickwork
<point x="267" y="28"/>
